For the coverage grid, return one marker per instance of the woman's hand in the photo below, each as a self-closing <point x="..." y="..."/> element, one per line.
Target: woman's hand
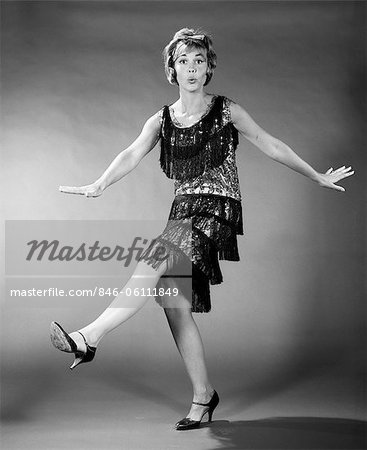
<point x="90" y="190"/>
<point x="124" y="162"/>
<point x="280" y="152"/>
<point x="330" y="177"/>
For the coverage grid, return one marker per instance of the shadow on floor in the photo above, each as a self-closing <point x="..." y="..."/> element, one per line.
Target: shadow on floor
<point x="293" y="433"/>
<point x="22" y="392"/>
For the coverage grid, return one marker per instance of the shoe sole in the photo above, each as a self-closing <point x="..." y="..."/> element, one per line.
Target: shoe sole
<point x="58" y="338"/>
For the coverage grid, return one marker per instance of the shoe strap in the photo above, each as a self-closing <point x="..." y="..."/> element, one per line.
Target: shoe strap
<point x="204" y="404"/>
<point x="201" y="404"/>
<point x="93" y="349"/>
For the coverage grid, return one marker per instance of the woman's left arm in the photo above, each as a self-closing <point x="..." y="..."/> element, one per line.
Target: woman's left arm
<point x="280" y="152"/>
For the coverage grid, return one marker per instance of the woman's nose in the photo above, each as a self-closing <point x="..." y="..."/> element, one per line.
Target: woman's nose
<point x="192" y="69"/>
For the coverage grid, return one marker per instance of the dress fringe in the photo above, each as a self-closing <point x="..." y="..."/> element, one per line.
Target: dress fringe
<point x="187" y="152"/>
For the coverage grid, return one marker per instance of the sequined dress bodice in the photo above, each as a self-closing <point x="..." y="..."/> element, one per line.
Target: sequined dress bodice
<point x="201" y="158"/>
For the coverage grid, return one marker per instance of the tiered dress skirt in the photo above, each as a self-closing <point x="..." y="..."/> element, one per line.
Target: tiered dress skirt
<point x="201" y="230"/>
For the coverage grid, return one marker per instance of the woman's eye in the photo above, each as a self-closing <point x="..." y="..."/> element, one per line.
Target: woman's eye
<point x="182" y="61"/>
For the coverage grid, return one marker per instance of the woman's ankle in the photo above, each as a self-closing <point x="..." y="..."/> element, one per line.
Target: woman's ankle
<point x="90" y="336"/>
<point x="203" y="392"/>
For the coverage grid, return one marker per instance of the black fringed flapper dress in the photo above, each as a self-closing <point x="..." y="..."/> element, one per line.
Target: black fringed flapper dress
<point x="206" y="214"/>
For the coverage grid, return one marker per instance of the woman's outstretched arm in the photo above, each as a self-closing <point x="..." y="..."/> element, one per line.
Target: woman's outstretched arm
<point x="280" y="152"/>
<point x="124" y="162"/>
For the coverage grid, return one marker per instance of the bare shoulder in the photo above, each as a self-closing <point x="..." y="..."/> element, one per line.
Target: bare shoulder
<point x="153" y="123"/>
<point x="156" y="119"/>
<point x="242" y="120"/>
<point x="238" y="113"/>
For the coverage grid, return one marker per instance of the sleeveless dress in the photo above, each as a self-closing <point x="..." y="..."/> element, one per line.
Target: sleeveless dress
<point x="206" y="213"/>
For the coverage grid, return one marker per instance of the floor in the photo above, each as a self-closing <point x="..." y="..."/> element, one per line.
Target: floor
<point x="80" y="411"/>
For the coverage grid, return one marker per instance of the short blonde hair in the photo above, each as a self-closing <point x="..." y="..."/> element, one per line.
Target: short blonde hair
<point x="191" y="38"/>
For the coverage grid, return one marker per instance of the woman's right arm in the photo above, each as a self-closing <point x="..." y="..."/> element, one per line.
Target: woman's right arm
<point x="124" y="162"/>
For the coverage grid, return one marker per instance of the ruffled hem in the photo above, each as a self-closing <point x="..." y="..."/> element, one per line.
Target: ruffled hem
<point x="202" y="229"/>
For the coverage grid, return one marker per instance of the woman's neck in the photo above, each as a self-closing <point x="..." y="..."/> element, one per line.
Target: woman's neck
<point x="192" y="103"/>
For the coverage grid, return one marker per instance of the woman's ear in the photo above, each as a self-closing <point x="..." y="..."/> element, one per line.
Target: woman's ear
<point x="172" y="73"/>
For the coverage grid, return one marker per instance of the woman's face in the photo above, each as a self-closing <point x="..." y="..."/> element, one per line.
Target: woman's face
<point x="191" y="67"/>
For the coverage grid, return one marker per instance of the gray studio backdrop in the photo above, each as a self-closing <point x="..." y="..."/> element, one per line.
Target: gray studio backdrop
<point x="78" y="81"/>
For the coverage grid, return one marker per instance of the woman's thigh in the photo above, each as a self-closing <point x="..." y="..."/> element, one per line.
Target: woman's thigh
<point x="145" y="270"/>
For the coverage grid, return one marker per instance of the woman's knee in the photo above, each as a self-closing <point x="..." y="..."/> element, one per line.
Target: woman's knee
<point x="178" y="312"/>
<point x="143" y="269"/>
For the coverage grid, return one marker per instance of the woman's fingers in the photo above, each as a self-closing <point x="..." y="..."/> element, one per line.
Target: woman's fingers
<point x="344" y="170"/>
<point x="349" y="173"/>
<point x="90" y="194"/>
<point x="338" y="188"/>
<point x="331" y="176"/>
<point x="342" y="175"/>
<point x="71" y="190"/>
<point x="88" y="191"/>
<point x="346" y="174"/>
<point x="340" y="169"/>
<point x="81" y="190"/>
<point x="338" y="174"/>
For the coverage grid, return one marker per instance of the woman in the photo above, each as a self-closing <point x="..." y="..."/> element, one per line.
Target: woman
<point x="198" y="135"/>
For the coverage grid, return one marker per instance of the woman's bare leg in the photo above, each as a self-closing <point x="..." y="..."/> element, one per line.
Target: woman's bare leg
<point x="123" y="307"/>
<point x="190" y="345"/>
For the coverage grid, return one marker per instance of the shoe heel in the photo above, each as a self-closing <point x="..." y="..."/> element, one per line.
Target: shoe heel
<point x="78" y="360"/>
<point x="210" y="415"/>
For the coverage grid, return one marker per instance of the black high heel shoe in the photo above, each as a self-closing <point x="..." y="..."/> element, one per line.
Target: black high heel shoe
<point x="62" y="341"/>
<point x="188" y="424"/>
